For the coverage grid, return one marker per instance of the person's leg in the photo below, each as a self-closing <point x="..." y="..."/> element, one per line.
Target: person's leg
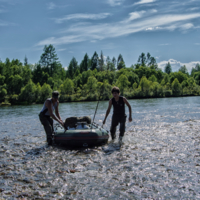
<point x="114" y="123"/>
<point x="122" y="126"/>
<point x="47" y="122"/>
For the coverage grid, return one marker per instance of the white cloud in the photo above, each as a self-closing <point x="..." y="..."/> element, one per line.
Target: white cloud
<point x="2" y="11"/>
<point x="51" y="6"/>
<point x="177" y="64"/>
<point x="153" y="11"/>
<point x="144" y="2"/>
<point x="115" y="2"/>
<point x="193" y="9"/>
<point x="166" y="44"/>
<point x="136" y="15"/>
<point x="82" y="16"/>
<point x="61" y="49"/>
<point x="82" y="32"/>
<point x="186" y="26"/>
<point x="4" y="23"/>
<point x="149" y="29"/>
<point x="61" y="40"/>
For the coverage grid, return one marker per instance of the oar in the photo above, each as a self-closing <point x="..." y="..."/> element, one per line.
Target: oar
<point x="96" y="109"/>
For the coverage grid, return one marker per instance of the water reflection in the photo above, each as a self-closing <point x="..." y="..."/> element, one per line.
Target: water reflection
<point x="159" y="158"/>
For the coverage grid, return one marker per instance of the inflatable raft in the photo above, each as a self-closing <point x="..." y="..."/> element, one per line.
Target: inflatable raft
<point x="83" y="135"/>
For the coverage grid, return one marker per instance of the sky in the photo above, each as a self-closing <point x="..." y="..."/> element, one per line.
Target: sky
<point x="168" y="29"/>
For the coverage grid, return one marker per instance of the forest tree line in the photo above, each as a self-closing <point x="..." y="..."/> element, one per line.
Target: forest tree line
<point x="93" y="78"/>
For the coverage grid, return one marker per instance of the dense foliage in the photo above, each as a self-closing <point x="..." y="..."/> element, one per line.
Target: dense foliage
<point x="92" y="79"/>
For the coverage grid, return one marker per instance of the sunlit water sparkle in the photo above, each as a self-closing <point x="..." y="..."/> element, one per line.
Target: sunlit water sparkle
<point x="159" y="158"/>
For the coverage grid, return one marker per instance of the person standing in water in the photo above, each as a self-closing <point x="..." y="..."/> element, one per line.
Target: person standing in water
<point x="119" y="115"/>
<point x="46" y="115"/>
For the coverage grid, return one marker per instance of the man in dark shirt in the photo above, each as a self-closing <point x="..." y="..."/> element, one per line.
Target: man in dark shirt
<point x="119" y="115"/>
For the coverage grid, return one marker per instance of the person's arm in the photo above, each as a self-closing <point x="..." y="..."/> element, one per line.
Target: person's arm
<point x="48" y="105"/>
<point x="57" y="112"/>
<point x="108" y="111"/>
<point x="129" y="107"/>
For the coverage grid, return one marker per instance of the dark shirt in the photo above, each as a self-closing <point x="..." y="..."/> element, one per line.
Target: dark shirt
<point x="118" y="106"/>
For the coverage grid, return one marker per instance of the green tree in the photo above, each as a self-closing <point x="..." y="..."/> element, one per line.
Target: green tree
<point x="135" y="85"/>
<point x="132" y="77"/>
<point x="2" y="79"/>
<point x="49" y="59"/>
<point x="84" y="64"/>
<point x="179" y="75"/>
<point x="120" y="62"/>
<point x="45" y="92"/>
<point x="196" y="69"/>
<point x="184" y="84"/>
<point x="122" y="83"/>
<point x="26" y="74"/>
<point x="176" y="87"/>
<point x="3" y="93"/>
<point x="121" y="65"/>
<point x="51" y="82"/>
<point x="156" y="89"/>
<point x="94" y="61"/>
<point x="67" y="87"/>
<point x="25" y="61"/>
<point x="28" y="92"/>
<point x="145" y="85"/>
<point x="16" y="70"/>
<point x="109" y="64"/>
<point x="73" y="66"/>
<point x="101" y="62"/>
<point x="2" y="69"/>
<point x="142" y="59"/>
<point x="91" y="84"/>
<point x="15" y="84"/>
<point x="152" y="78"/>
<point x="196" y="76"/>
<point x="183" y="69"/>
<point x="168" y="68"/>
<point x="39" y="76"/>
<point x="78" y="81"/>
<point x="114" y="61"/>
<point x="86" y="75"/>
<point x="191" y="82"/>
<point x="16" y="62"/>
<point x="165" y="80"/>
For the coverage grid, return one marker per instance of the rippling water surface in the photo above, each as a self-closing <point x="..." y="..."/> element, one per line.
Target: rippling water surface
<point x="159" y="158"/>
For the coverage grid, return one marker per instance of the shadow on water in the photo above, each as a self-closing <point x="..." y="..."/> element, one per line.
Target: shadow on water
<point x="36" y="151"/>
<point x="111" y="147"/>
<point x="39" y="150"/>
<point x="108" y="149"/>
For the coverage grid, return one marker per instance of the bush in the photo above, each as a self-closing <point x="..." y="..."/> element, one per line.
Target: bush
<point x="168" y="93"/>
<point x="14" y="99"/>
<point x="3" y="93"/>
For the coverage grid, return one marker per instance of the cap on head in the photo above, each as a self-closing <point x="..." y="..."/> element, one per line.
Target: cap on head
<point x="55" y="94"/>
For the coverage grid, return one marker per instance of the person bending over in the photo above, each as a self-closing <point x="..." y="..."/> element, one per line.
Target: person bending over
<point x="119" y="115"/>
<point x="46" y="115"/>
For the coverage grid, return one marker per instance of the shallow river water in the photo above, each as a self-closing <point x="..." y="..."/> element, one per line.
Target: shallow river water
<point x="159" y="158"/>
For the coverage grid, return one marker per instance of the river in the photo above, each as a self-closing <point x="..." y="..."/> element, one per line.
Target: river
<point x="159" y="158"/>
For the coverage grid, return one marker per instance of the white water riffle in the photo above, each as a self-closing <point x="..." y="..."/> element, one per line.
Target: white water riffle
<point x="159" y="158"/>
